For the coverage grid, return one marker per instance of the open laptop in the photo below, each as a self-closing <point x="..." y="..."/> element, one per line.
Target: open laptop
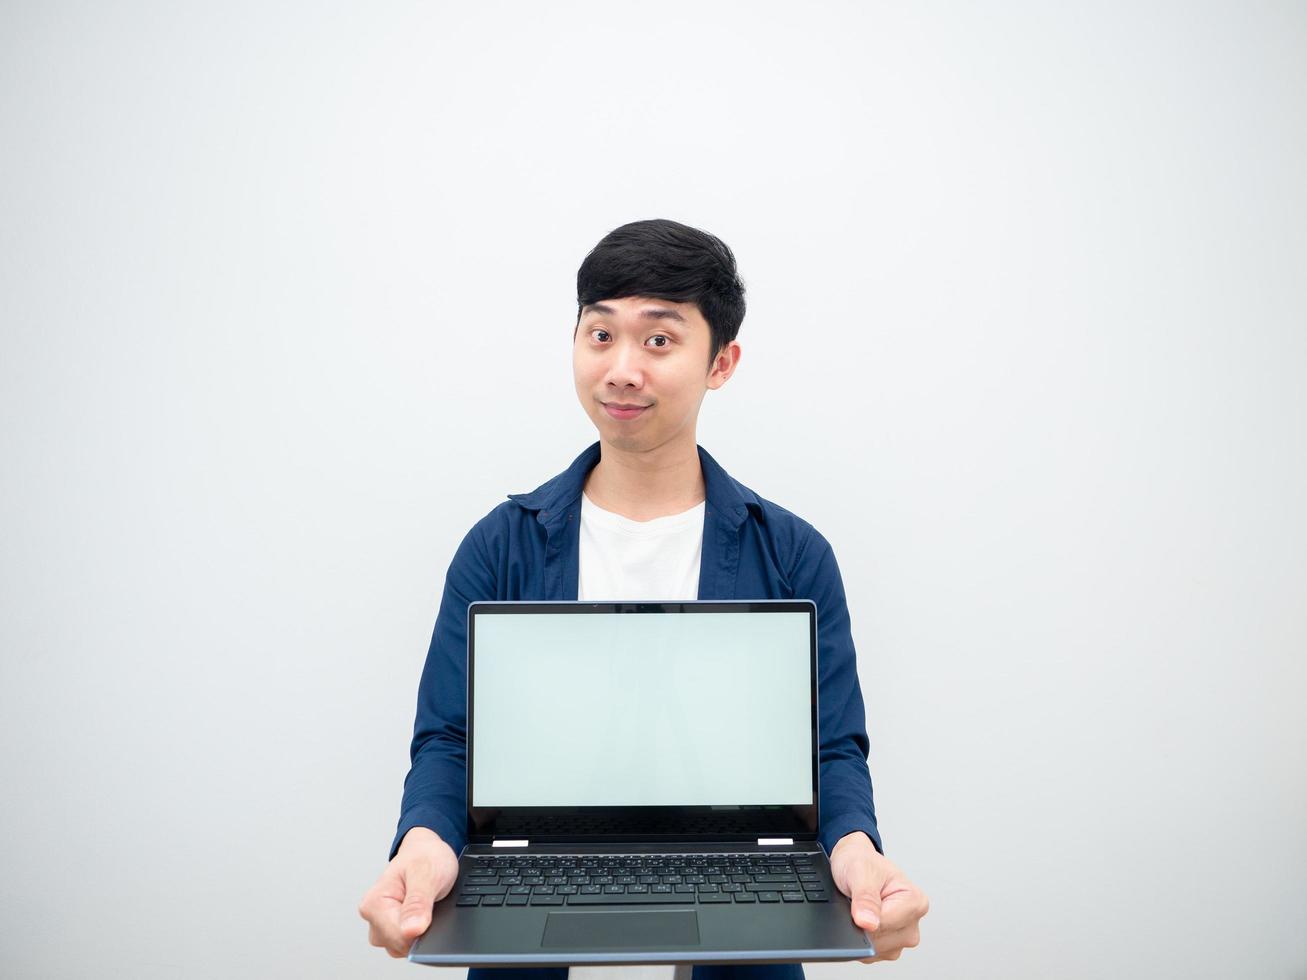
<point x="642" y="788"/>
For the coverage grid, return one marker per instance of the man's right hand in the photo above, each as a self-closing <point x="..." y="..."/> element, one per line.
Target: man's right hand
<point x="398" y="907"/>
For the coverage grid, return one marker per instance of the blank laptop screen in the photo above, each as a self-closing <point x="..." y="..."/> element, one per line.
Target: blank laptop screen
<point x="642" y="709"/>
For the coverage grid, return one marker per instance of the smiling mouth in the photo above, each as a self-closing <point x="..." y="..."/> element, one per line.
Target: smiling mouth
<point x="624" y="413"/>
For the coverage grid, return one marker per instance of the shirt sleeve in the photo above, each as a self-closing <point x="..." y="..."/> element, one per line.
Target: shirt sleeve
<point x="844" y="781"/>
<point x="435" y="790"/>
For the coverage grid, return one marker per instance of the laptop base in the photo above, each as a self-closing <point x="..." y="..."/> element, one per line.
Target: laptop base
<point x="681" y="935"/>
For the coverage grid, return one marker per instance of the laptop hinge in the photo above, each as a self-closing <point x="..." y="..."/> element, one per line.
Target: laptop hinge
<point x="764" y="841"/>
<point x="511" y="842"/>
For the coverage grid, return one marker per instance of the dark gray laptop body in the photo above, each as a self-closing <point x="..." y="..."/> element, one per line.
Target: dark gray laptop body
<point x="711" y="880"/>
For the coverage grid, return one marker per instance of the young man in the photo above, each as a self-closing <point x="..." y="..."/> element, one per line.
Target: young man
<point x="644" y="513"/>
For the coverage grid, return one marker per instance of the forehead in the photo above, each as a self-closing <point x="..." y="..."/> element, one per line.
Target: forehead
<point x="645" y="308"/>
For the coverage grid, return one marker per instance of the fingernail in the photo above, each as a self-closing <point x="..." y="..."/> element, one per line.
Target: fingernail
<point x="868" y="916"/>
<point x="411" y="923"/>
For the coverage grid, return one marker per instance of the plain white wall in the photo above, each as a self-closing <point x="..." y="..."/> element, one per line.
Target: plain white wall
<point x="287" y="293"/>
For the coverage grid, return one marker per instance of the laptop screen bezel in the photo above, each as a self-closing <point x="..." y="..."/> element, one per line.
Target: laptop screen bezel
<point x="654" y="824"/>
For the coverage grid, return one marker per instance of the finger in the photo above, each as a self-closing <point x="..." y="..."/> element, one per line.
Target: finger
<point x="889" y="945"/>
<point x="902" y="905"/>
<point x="893" y="954"/>
<point x="419" y="897"/>
<point x="388" y="891"/>
<point x="386" y="940"/>
<point x="384" y="931"/>
<point x="380" y="908"/>
<point x="865" y="882"/>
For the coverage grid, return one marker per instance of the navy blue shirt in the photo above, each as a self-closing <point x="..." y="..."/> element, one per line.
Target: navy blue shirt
<point x="527" y="548"/>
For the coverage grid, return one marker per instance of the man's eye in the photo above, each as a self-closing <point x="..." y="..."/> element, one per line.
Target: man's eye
<point x="601" y="335"/>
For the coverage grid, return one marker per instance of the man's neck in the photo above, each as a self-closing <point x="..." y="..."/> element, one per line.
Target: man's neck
<point x="642" y="486"/>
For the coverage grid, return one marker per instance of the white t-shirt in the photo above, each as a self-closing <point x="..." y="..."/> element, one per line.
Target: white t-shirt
<point x="622" y="559"/>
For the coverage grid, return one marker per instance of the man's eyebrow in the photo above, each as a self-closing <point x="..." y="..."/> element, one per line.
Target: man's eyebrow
<point x="652" y="313"/>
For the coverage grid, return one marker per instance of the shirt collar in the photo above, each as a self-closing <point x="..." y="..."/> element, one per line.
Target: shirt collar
<point x="554" y="498"/>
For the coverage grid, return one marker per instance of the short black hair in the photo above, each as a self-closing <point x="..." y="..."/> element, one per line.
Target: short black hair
<point x="664" y="259"/>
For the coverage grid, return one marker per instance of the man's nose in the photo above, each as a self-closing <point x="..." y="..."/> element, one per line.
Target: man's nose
<point x="625" y="368"/>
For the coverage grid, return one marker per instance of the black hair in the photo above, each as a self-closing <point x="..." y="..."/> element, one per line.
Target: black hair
<point x="663" y="259"/>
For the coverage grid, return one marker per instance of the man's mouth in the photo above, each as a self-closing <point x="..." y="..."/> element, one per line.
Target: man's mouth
<point x="622" y="411"/>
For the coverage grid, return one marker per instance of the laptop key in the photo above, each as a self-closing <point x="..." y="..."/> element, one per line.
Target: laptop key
<point x="817" y="896"/>
<point x="468" y="900"/>
<point x="492" y="900"/>
<point x="745" y="897"/>
<point x="628" y="899"/>
<point x="549" y="899"/>
<point x="768" y="896"/>
<point x="711" y="898"/>
<point x="792" y="896"/>
<point x="485" y="890"/>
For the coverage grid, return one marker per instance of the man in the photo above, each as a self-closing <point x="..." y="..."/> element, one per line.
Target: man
<point x="644" y="513"/>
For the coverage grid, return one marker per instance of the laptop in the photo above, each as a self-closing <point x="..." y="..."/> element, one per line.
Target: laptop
<point x="641" y="789"/>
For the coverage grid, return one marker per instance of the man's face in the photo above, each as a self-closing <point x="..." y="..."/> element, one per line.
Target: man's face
<point x="649" y="353"/>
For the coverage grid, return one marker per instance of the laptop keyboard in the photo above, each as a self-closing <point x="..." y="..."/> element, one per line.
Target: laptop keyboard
<point x="640" y="879"/>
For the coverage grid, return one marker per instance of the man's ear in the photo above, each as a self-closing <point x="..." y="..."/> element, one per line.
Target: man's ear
<point x="731" y="352"/>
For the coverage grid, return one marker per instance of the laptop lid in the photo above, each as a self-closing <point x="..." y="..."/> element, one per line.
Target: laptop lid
<point x="625" y="722"/>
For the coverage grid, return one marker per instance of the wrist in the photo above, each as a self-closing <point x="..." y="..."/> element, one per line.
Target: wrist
<point x="857" y="840"/>
<point x="423" y="837"/>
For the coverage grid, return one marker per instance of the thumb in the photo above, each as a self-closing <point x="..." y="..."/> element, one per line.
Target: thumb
<point x="419" y="897"/>
<point x="866" y="910"/>
<point x="864" y="895"/>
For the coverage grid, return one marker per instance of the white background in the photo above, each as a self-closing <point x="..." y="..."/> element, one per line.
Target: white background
<point x="287" y="294"/>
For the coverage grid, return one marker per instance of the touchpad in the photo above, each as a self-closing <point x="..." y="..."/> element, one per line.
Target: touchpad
<point x="672" y="927"/>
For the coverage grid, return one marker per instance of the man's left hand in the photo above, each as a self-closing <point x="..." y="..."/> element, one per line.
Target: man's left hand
<point x="885" y="902"/>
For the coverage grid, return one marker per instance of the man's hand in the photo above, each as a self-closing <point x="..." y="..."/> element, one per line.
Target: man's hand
<point x="398" y="907"/>
<point x="885" y="902"/>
